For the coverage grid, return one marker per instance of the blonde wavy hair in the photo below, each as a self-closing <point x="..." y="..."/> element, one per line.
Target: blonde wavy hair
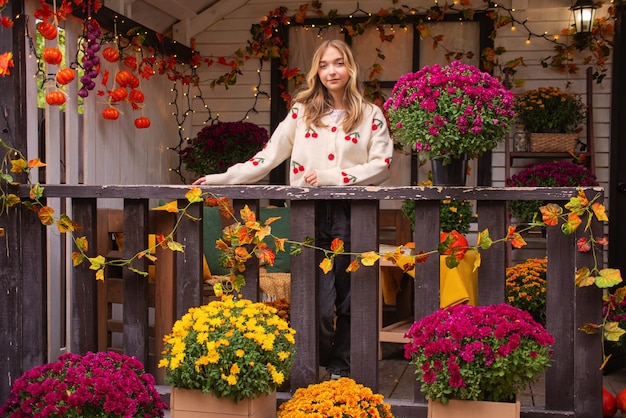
<point x="319" y="102"/>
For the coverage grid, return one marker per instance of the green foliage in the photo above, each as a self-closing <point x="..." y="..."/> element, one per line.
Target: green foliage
<point x="453" y="214"/>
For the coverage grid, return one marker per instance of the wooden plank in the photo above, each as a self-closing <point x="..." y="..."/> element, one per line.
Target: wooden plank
<point x="189" y="262"/>
<point x="364" y="294"/>
<point x="427" y="286"/>
<point x="135" y="312"/>
<point x="304" y="310"/>
<point x="165" y="289"/>
<point x="587" y="348"/>
<point x="148" y="191"/>
<point x="492" y="215"/>
<point x="84" y="305"/>
<point x="560" y="287"/>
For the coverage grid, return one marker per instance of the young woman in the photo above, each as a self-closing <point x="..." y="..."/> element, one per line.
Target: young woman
<point x="333" y="137"/>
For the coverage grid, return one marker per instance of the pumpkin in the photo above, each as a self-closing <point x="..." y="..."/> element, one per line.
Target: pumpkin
<point x="136" y="96"/>
<point x="124" y="77"/>
<point x="620" y="401"/>
<point x="52" y="56"/>
<point x="65" y="76"/>
<point x="55" y="98"/>
<point x="110" y="54"/>
<point x="110" y="113"/>
<point x="457" y="246"/>
<point x="47" y="30"/>
<point x="119" y="93"/>
<point x="609" y="407"/>
<point x="142" y="122"/>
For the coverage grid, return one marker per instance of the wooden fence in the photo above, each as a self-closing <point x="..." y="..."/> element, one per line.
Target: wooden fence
<point x="573" y="382"/>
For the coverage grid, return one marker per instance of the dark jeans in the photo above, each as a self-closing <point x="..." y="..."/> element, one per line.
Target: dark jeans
<point x="333" y="221"/>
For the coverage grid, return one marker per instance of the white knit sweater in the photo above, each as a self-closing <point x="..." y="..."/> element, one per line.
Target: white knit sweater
<point x="360" y="157"/>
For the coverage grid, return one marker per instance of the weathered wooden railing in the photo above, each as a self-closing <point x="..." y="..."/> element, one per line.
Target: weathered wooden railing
<point x="573" y="382"/>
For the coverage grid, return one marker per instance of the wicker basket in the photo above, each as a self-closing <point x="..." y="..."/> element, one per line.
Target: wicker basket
<point x="553" y="142"/>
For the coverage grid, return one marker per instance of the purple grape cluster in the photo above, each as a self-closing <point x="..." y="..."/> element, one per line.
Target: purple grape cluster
<point x="91" y="60"/>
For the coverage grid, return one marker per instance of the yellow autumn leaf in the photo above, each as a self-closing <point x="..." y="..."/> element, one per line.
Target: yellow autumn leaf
<point x="484" y="240"/>
<point x="600" y="211"/>
<point x="36" y="192"/>
<point x="612" y="331"/>
<point x="18" y="166"/>
<point x="77" y="258"/>
<point x="583" y="277"/>
<point x="194" y="195"/>
<point x="575" y="205"/>
<point x="97" y="263"/>
<point x="100" y="275"/>
<point x="65" y="224"/>
<point x="218" y="289"/>
<point x="169" y="207"/>
<point x="247" y="215"/>
<point x="12" y="200"/>
<point x="279" y="243"/>
<point x="82" y="244"/>
<point x="46" y="215"/>
<point x="477" y="262"/>
<point x="590" y="329"/>
<point x="353" y="266"/>
<point x="369" y="258"/>
<point x="608" y="278"/>
<point x="271" y="220"/>
<point x="582" y="197"/>
<point x="573" y="222"/>
<point x="175" y="246"/>
<point x="326" y="265"/>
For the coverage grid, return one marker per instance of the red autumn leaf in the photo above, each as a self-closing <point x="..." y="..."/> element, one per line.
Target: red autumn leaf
<point x="583" y="245"/>
<point x="265" y="254"/>
<point x="421" y="257"/>
<point x="517" y="241"/>
<point x="337" y="246"/>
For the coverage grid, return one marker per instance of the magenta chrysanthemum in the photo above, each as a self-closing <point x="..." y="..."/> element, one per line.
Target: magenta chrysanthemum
<point x="481" y="352"/>
<point x="475" y="106"/>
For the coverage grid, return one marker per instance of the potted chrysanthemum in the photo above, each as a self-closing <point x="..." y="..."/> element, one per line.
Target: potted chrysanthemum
<point x="218" y="146"/>
<point x="103" y="384"/>
<point x="227" y="354"/>
<point x="335" y="398"/>
<point x="526" y="287"/>
<point x="549" y="174"/>
<point x="477" y="353"/>
<point x="553" y="118"/>
<point x="451" y="112"/>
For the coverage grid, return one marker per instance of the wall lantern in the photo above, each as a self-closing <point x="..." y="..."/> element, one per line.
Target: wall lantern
<point x="584" y="13"/>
